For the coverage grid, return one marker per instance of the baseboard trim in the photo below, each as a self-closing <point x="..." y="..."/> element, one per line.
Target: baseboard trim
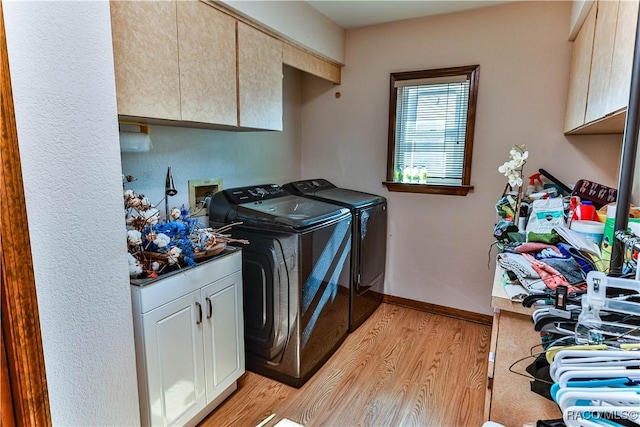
<point x="457" y="313"/>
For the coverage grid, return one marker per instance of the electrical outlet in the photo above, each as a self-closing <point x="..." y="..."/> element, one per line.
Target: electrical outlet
<point x="199" y="190"/>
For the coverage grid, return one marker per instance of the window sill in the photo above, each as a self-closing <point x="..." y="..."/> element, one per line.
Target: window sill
<point x="453" y="190"/>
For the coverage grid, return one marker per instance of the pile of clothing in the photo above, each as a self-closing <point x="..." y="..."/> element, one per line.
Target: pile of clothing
<point x="544" y="262"/>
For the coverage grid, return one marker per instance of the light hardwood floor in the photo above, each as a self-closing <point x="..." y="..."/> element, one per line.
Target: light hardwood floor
<point x="402" y="367"/>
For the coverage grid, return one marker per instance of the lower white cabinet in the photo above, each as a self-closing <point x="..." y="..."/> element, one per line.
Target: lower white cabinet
<point x="189" y="341"/>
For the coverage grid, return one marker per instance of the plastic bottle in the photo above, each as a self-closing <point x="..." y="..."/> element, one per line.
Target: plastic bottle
<point x="397" y="175"/>
<point x="406" y="176"/>
<point x="532" y="187"/>
<point x="585" y="211"/>
<point x="574" y="201"/>
<point x="415" y="175"/>
<point x="423" y="175"/>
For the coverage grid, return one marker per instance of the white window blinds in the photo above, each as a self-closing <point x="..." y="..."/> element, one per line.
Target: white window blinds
<point x="431" y="120"/>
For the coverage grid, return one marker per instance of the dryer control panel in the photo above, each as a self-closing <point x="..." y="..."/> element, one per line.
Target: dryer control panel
<point x="312" y="186"/>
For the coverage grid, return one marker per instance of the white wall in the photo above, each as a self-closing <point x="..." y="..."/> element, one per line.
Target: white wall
<point x="438" y="245"/>
<point x="239" y="158"/>
<point x="61" y="64"/>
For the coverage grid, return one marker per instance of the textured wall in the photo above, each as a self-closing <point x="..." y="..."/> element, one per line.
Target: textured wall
<point x="239" y="158"/>
<point x="62" y="73"/>
<point x="438" y="244"/>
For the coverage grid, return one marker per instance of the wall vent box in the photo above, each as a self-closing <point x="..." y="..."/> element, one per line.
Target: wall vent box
<point x="199" y="189"/>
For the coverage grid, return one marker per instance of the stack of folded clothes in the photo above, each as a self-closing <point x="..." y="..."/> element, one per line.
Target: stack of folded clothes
<point x="544" y="262"/>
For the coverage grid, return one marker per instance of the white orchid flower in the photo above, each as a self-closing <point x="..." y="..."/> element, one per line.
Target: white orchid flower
<point x="512" y="169"/>
<point x="505" y="169"/>
<point x="519" y="159"/>
<point x="515" y="180"/>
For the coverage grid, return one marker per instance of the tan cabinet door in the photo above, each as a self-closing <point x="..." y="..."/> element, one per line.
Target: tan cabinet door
<point x="259" y="79"/>
<point x="145" y="49"/>
<point x="620" y="79"/>
<point x="602" y="57"/>
<point x="207" y="58"/>
<point x="579" y="74"/>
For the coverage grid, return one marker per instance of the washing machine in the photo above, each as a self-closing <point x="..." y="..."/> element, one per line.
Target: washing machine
<point x="368" y="254"/>
<point x="296" y="272"/>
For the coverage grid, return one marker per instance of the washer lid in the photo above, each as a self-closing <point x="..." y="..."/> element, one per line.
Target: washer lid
<point x="293" y="211"/>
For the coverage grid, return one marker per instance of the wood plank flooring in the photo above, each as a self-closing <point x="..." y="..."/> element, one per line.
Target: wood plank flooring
<point x="402" y="367"/>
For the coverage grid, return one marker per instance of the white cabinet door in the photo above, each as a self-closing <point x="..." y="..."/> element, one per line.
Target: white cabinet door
<point x="223" y="333"/>
<point x="174" y="359"/>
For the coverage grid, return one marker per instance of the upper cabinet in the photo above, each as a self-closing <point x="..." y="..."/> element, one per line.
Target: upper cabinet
<point x="259" y="79"/>
<point x="601" y="64"/>
<point x="579" y="75"/>
<point x="622" y="61"/>
<point x="145" y="46"/>
<point x="207" y="59"/>
<point x="603" y="45"/>
<point x="187" y="62"/>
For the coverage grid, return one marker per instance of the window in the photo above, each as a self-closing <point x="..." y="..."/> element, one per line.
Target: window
<point x="431" y="122"/>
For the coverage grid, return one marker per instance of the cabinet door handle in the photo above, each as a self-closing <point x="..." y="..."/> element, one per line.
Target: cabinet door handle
<point x="209" y="307"/>
<point x="199" y="313"/>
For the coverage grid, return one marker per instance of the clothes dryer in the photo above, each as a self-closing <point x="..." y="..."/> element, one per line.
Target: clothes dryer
<point x="368" y="254"/>
<point x="295" y="277"/>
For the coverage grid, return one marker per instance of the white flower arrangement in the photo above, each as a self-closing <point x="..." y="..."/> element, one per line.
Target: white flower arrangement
<point x="157" y="245"/>
<point x="508" y="207"/>
<point x="513" y="168"/>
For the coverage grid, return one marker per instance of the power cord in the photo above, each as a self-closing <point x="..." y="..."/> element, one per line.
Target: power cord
<point x="203" y="204"/>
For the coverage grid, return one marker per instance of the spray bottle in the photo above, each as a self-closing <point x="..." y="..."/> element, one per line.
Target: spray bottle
<point x="535" y="183"/>
<point x="574" y="201"/>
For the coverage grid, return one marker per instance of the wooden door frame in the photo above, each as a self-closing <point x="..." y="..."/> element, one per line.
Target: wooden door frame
<point x="21" y="338"/>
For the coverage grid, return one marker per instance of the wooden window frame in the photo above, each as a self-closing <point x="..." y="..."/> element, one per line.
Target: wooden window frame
<point x="472" y="71"/>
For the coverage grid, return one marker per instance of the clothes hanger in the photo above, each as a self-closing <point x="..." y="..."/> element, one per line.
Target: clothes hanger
<point x="616" y="382"/>
<point x="586" y="354"/>
<point x="553" y="351"/>
<point x="591" y="328"/>
<point x="581" y="393"/>
<point x="632" y="375"/>
<point x="597" y="396"/>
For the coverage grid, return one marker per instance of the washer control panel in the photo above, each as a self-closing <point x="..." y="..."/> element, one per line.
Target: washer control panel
<point x="255" y="193"/>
